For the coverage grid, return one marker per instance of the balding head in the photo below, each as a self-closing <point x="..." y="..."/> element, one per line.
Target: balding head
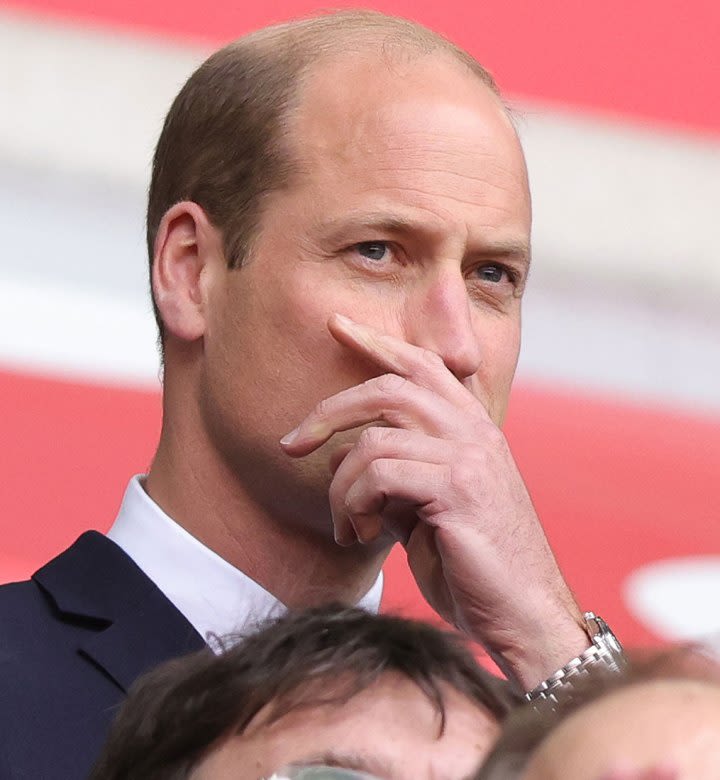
<point x="225" y="142"/>
<point x="661" y="713"/>
<point x="669" y="724"/>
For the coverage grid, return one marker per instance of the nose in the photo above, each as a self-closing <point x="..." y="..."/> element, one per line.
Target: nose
<point x="440" y="318"/>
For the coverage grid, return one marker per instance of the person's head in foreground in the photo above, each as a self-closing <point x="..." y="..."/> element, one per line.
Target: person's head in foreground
<point x="334" y="686"/>
<point x="659" y="720"/>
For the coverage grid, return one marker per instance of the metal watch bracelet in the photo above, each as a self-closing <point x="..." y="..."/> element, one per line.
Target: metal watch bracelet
<point x="605" y="653"/>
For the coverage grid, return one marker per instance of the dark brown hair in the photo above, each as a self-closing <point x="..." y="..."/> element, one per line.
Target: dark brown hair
<point x="320" y="656"/>
<point x="529" y="726"/>
<point x="224" y="144"/>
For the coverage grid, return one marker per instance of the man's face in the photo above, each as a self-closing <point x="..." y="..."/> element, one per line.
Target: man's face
<point x="390" y="730"/>
<point x="410" y="213"/>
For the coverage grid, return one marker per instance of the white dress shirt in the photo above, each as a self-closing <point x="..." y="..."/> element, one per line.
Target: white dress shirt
<point x="215" y="597"/>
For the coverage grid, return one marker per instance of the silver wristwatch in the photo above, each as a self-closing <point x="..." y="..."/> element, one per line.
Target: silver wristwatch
<point x="605" y="654"/>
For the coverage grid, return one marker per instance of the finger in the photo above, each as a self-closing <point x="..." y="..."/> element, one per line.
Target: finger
<point x="385" y="443"/>
<point x="426" y="566"/>
<point x="338" y="456"/>
<point x="423" y="366"/>
<point x="389" y="399"/>
<point x="378" y="443"/>
<point x="385" y="481"/>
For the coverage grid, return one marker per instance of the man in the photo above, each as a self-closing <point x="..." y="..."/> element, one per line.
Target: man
<point x="329" y="685"/>
<point x="339" y="226"/>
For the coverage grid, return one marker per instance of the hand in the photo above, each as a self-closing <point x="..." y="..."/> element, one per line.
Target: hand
<point x="438" y="476"/>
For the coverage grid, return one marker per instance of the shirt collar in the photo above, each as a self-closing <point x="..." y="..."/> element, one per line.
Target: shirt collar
<point x="217" y="599"/>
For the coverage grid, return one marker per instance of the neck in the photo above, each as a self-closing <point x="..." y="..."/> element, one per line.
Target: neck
<point x="300" y="564"/>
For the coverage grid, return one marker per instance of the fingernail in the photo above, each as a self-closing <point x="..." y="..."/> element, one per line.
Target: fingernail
<point x="289" y="438"/>
<point x="369" y="530"/>
<point x="343" y="541"/>
<point x="361" y="333"/>
<point x="343" y="320"/>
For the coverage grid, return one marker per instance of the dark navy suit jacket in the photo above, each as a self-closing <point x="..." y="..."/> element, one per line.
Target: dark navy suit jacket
<point x="72" y="641"/>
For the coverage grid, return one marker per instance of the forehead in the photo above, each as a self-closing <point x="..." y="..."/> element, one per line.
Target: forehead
<point x="671" y="719"/>
<point x="657" y="697"/>
<point x="389" y="729"/>
<point x="424" y="128"/>
<point x="367" y="102"/>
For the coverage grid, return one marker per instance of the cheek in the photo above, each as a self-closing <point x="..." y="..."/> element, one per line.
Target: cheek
<point x="501" y="352"/>
<point x="500" y="347"/>
<point x="510" y="356"/>
<point x="299" y="322"/>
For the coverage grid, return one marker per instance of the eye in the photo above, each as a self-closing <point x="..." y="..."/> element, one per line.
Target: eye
<point x="372" y="250"/>
<point x="492" y="273"/>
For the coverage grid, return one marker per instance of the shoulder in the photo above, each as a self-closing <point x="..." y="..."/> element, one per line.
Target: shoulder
<point x="72" y="640"/>
<point x="38" y="654"/>
<point x="55" y="704"/>
<point x="34" y="640"/>
<point x="40" y="615"/>
<point x="22" y="609"/>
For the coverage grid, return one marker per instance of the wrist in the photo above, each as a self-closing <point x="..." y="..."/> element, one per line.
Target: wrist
<point x="541" y="659"/>
<point x="530" y="655"/>
<point x="604" y="656"/>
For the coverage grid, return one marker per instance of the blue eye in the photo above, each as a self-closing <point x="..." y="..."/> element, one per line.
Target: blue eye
<point x="491" y="273"/>
<point x="373" y="250"/>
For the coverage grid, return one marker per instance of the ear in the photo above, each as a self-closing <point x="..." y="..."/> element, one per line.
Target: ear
<point x="186" y="247"/>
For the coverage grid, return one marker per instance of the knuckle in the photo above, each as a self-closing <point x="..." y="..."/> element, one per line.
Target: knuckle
<point x="371" y="438"/>
<point x="389" y="384"/>
<point x="376" y="472"/>
<point x="322" y="408"/>
<point x="381" y="442"/>
<point x="464" y="472"/>
<point x="469" y="467"/>
<point x="432" y="359"/>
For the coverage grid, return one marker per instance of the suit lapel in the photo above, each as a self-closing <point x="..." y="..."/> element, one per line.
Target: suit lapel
<point x="134" y="626"/>
<point x="140" y="640"/>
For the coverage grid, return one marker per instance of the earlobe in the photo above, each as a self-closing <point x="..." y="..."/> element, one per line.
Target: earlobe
<point x="179" y="265"/>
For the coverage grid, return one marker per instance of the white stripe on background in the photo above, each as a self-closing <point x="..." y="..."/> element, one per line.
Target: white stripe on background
<point x="76" y="334"/>
<point x="632" y="206"/>
<point x="644" y="355"/>
<point x="85" y="101"/>
<point x="675" y="598"/>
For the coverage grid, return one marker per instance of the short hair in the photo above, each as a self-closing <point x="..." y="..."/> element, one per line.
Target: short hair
<point x="530" y="725"/>
<point x="224" y="143"/>
<point x="314" y="657"/>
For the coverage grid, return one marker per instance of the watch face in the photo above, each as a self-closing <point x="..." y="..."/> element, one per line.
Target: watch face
<point x="607" y="636"/>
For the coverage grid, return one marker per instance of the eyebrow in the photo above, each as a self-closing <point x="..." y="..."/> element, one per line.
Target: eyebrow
<point x="516" y="250"/>
<point x="387" y="222"/>
<point x="375" y="220"/>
